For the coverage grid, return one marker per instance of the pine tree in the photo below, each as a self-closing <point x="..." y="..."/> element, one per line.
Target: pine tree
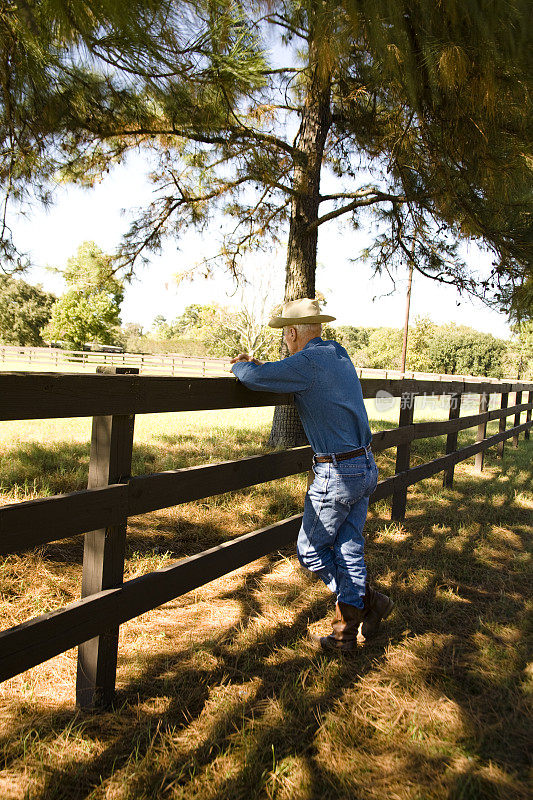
<point x="70" y="69"/>
<point x="417" y="112"/>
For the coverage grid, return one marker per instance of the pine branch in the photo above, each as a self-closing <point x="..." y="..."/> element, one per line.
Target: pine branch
<point x="276" y="19"/>
<point x="235" y="135"/>
<point x="379" y="197"/>
<point x="281" y="70"/>
<point x="346" y="195"/>
<point x="234" y="248"/>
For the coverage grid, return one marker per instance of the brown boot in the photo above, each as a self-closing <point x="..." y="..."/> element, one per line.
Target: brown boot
<point x="345" y="626"/>
<point x="377" y="607"/>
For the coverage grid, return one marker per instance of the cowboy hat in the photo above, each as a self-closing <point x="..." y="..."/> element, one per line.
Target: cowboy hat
<point x="300" y="312"/>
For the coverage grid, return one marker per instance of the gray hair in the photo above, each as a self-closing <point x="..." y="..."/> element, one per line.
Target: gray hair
<point x="309" y="327"/>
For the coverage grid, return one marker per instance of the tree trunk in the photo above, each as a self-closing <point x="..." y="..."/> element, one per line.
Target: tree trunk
<point x="287" y="429"/>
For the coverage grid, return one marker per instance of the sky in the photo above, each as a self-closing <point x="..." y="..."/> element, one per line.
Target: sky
<point x="353" y="295"/>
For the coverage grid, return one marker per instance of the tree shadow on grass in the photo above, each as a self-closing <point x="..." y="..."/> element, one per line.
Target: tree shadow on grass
<point x="279" y="719"/>
<point x="175" y="535"/>
<point x="187" y="689"/>
<point x="282" y="717"/>
<point x="279" y="703"/>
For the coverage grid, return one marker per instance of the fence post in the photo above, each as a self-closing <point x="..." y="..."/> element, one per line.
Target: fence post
<point x="484" y="401"/>
<point x="503" y="424"/>
<point x="518" y="400"/>
<point x="403" y="453"/>
<point x="103" y="554"/>
<point x="528" y="413"/>
<point x="451" y="439"/>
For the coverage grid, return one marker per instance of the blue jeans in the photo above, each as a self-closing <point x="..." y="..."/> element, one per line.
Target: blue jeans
<point x="330" y="542"/>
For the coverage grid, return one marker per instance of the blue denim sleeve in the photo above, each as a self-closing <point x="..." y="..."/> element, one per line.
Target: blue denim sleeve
<point x="292" y="374"/>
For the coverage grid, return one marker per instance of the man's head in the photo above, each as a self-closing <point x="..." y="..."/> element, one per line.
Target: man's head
<point x="300" y="314"/>
<point x="297" y="336"/>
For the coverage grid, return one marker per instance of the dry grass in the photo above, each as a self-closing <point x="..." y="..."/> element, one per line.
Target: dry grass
<point x="220" y="695"/>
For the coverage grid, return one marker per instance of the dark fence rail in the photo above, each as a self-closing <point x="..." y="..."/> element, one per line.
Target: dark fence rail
<point x="26" y="395"/>
<point x="102" y="510"/>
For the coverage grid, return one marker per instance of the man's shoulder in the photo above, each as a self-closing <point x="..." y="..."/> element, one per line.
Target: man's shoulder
<point x="329" y="345"/>
<point x="335" y="344"/>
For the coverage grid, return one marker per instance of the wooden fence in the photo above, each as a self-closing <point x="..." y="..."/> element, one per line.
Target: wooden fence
<point x="101" y="512"/>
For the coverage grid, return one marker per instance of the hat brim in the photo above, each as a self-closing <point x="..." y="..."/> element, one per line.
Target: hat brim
<point x="284" y="322"/>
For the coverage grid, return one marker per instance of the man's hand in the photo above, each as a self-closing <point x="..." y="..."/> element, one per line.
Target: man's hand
<point x="245" y="357"/>
<point x="240" y="357"/>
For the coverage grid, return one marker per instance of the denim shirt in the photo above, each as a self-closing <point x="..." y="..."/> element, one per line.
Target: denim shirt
<point x="327" y="393"/>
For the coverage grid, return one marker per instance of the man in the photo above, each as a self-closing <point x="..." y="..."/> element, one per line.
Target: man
<point x="329" y="399"/>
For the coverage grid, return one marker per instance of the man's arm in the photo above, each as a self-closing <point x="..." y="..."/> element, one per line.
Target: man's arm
<point x="292" y="374"/>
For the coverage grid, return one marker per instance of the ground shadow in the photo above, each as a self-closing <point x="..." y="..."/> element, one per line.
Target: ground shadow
<point x="461" y="596"/>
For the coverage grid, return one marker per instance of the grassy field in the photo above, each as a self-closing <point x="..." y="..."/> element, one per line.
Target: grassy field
<point x="220" y="695"/>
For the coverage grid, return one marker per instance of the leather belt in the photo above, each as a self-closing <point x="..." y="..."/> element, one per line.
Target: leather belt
<point x="341" y="456"/>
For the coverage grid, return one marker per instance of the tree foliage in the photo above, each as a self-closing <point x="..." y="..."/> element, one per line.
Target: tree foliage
<point x="223" y="331"/>
<point x="518" y="359"/>
<point x="352" y="338"/>
<point x="90" y="309"/>
<point x="419" y="340"/>
<point x="463" y="71"/>
<point x="86" y="66"/>
<point x="48" y="76"/>
<point x="78" y="319"/>
<point x="463" y="351"/>
<point x="24" y="310"/>
<point x="91" y="271"/>
<point x="448" y="348"/>
<point x="415" y="112"/>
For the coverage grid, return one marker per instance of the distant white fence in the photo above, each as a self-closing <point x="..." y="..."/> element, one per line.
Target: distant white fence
<point x="173" y="363"/>
<point x="54" y="358"/>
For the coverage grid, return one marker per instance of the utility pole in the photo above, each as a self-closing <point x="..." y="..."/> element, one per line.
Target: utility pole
<point x="408" y="304"/>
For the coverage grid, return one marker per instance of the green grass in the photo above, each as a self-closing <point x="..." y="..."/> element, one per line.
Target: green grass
<point x="44" y="457"/>
<point x="220" y="695"/>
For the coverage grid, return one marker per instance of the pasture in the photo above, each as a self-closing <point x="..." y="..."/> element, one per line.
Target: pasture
<point x="220" y="694"/>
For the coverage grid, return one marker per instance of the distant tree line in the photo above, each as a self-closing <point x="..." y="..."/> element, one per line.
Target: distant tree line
<point x="449" y="348"/>
<point x="89" y="312"/>
<point x="214" y="331"/>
